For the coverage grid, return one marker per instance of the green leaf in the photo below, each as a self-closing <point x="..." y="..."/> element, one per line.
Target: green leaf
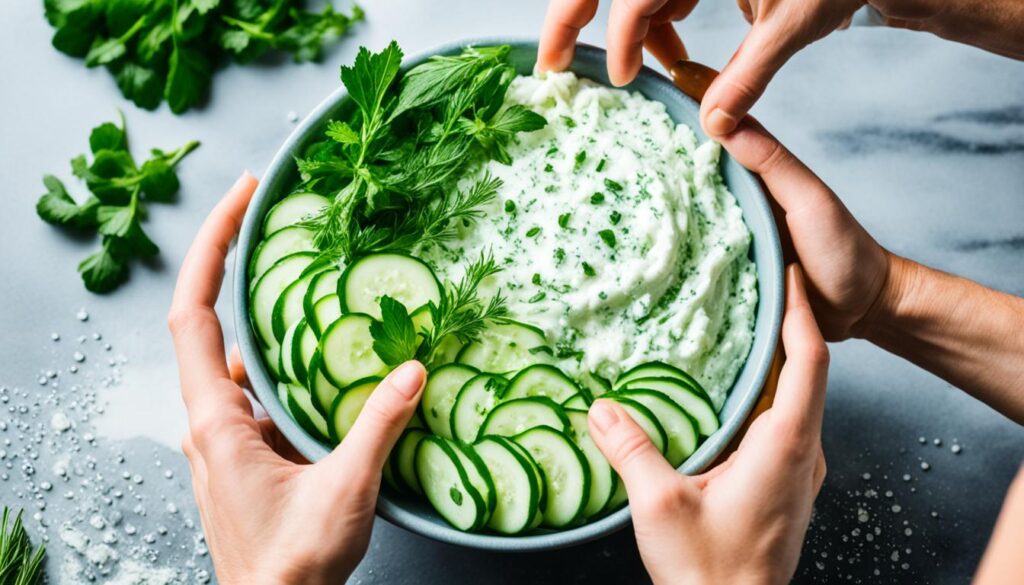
<point x="439" y="77"/>
<point x="109" y="176"/>
<point x="140" y="84"/>
<point x="369" y="78"/>
<point x="101" y="271"/>
<point x="394" y="336"/>
<point x="159" y="181"/>
<point x="342" y="133"/>
<point x="122" y="15"/>
<point x="188" y="79"/>
<point x="305" y="39"/>
<point x="108" y="136"/>
<point x="204" y="6"/>
<point x="155" y="42"/>
<point x="75" y="22"/>
<point x="58" y="208"/>
<point x="517" y="119"/>
<point x="104" y="52"/>
<point x="115" y="220"/>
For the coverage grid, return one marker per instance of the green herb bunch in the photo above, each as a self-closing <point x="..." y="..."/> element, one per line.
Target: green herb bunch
<point x="19" y="565"/>
<point x="168" y="49"/>
<point x="392" y="164"/>
<point x="119" y="188"/>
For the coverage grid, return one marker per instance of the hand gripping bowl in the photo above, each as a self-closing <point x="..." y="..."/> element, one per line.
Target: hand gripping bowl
<point x="417" y="515"/>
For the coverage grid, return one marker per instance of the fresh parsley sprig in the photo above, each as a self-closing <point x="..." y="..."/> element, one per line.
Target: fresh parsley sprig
<point x="116" y="206"/>
<point x="19" y="564"/>
<point x="168" y="49"/>
<point x="460" y="313"/>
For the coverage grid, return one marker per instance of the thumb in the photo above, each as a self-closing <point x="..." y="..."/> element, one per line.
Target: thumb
<point x="380" y="423"/>
<point x="640" y="465"/>
<point x="731" y="95"/>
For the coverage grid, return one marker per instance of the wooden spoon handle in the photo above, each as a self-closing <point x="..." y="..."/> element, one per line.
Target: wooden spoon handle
<point x="692" y="78"/>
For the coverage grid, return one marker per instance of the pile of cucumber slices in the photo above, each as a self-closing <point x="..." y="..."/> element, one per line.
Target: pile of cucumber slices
<point x="500" y="441"/>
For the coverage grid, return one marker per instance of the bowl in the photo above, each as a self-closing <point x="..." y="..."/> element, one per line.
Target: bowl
<point x="417" y="515"/>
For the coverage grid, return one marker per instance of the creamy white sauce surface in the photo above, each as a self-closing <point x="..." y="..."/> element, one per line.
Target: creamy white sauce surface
<point x="617" y="237"/>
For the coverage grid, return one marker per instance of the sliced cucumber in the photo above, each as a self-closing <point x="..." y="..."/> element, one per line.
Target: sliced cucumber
<point x="403" y="460"/>
<point x="619" y="497"/>
<point x="346" y="350"/>
<point x="284" y="359"/>
<point x="513" y="417"/>
<point x="476" y="398"/>
<point x="323" y="284"/>
<point x="302" y="410"/>
<point x="566" y="473"/>
<point x="506" y="347"/>
<point x="659" y="370"/>
<point x="602" y="476"/>
<point x="538" y="477"/>
<point x="542" y="380"/>
<point x="288" y="307"/>
<point x="282" y="243"/>
<point x="578" y="401"/>
<point x="595" y="384"/>
<point x="325" y="311"/>
<point x="443" y="385"/>
<point x="303" y="348"/>
<point x="348" y="405"/>
<point x="646" y="420"/>
<point x="268" y="289"/>
<point x="680" y="428"/>
<point x="404" y="278"/>
<point x="518" y="498"/>
<point x="422" y="319"/>
<point x="323" y="392"/>
<point x="478" y="476"/>
<point x="293" y="209"/>
<point x="446" y="484"/>
<point x="695" y="403"/>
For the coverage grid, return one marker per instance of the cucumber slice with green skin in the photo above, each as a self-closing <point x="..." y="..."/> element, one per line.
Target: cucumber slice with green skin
<point x="660" y="370"/>
<point x="696" y="404"/>
<point x="346" y="351"/>
<point x="514" y="417"/>
<point x="443" y="385"/>
<point x="402" y="462"/>
<point x="271" y="357"/>
<point x="324" y="283"/>
<point x="476" y="398"/>
<point x="566" y="473"/>
<point x="422" y="319"/>
<point x="538" y="477"/>
<point x="595" y="384"/>
<point x="325" y="311"/>
<point x="404" y="278"/>
<point x="348" y="405"/>
<point x="506" y="347"/>
<point x="602" y="476"/>
<point x="542" y="380"/>
<point x="578" y="401"/>
<point x="301" y="407"/>
<point x="619" y="497"/>
<point x="288" y="306"/>
<point x="646" y="420"/>
<point x="282" y="243"/>
<point x="680" y="428"/>
<point x="515" y="482"/>
<point x="303" y="348"/>
<point x="446" y="484"/>
<point x="323" y="392"/>
<point x="478" y="476"/>
<point x="293" y="209"/>
<point x="284" y="358"/>
<point x="268" y="289"/>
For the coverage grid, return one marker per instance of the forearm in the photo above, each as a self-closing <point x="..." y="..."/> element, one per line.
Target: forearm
<point x="1002" y="562"/>
<point x="965" y="333"/>
<point x="993" y="25"/>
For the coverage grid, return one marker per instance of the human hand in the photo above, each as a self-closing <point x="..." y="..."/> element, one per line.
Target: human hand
<point x="744" y="520"/>
<point x="270" y="517"/>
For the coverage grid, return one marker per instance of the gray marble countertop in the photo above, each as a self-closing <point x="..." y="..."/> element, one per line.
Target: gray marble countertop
<point x="923" y="140"/>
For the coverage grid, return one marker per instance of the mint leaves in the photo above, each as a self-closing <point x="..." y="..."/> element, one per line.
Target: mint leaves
<point x="394" y="336"/>
<point x="168" y="49"/>
<point x="115" y="208"/>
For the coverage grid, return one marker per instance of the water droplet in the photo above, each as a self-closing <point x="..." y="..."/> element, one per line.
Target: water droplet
<point x="97" y="336"/>
<point x="171" y="508"/>
<point x="866" y="476"/>
<point x="908" y="532"/>
<point x="922" y="440"/>
<point x="292" y="116"/>
<point x="925" y="466"/>
<point x="896" y="508"/>
<point x="78" y="356"/>
<point x="73" y="369"/>
<point x="42" y="382"/>
<point x="46" y="486"/>
<point x="82" y="315"/>
<point x="168" y="474"/>
<point x="955" y="449"/>
<point x="55" y="336"/>
<point x="906" y="477"/>
<point x="137" y="478"/>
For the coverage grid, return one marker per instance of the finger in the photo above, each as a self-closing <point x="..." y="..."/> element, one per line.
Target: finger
<point x="664" y="43"/>
<point x="236" y="368"/>
<point x="790" y="182"/>
<point x="198" y="339"/>
<point x="640" y="465"/>
<point x="380" y="423"/>
<point x="277" y="442"/>
<point x="759" y="57"/>
<point x="628" y="24"/>
<point x="800" y="398"/>
<point x="562" y="25"/>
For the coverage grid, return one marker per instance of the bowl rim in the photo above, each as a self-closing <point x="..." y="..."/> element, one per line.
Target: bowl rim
<point x="769" y="301"/>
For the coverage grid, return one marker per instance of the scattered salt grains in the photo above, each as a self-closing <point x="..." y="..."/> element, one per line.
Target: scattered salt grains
<point x="82" y="315"/>
<point x="292" y="116"/>
<point x="60" y="422"/>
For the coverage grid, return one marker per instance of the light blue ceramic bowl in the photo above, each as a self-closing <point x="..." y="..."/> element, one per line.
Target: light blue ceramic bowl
<point x="416" y="515"/>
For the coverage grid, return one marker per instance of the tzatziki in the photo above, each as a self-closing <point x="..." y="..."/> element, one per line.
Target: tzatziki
<point x="617" y="236"/>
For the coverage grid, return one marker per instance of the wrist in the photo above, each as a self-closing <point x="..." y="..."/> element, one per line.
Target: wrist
<point x="896" y="295"/>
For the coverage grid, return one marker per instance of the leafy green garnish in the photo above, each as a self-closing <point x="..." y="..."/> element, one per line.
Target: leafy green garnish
<point x="116" y="207"/>
<point x="394" y="336"/>
<point x="19" y="564"/>
<point x="392" y="164"/>
<point x="608" y="237"/>
<point x="168" y="49"/>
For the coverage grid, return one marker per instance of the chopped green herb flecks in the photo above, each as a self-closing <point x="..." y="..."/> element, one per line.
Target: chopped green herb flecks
<point x="600" y="165"/>
<point x="597" y="198"/>
<point x="589" y="270"/>
<point x="608" y="237"/>
<point x="548" y="168"/>
<point x="510" y="206"/>
<point x="615" y="217"/>
<point x="613" y="186"/>
<point x="533" y="232"/>
<point x="569" y="122"/>
<point x="538" y="297"/>
<point x="535" y="279"/>
<point x="581" y="157"/>
<point x="563" y="220"/>
<point x="559" y="256"/>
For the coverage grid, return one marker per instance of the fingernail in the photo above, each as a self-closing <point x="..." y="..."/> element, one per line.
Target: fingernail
<point x="719" y="122"/>
<point x="603" y="415"/>
<point x="408" y="379"/>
